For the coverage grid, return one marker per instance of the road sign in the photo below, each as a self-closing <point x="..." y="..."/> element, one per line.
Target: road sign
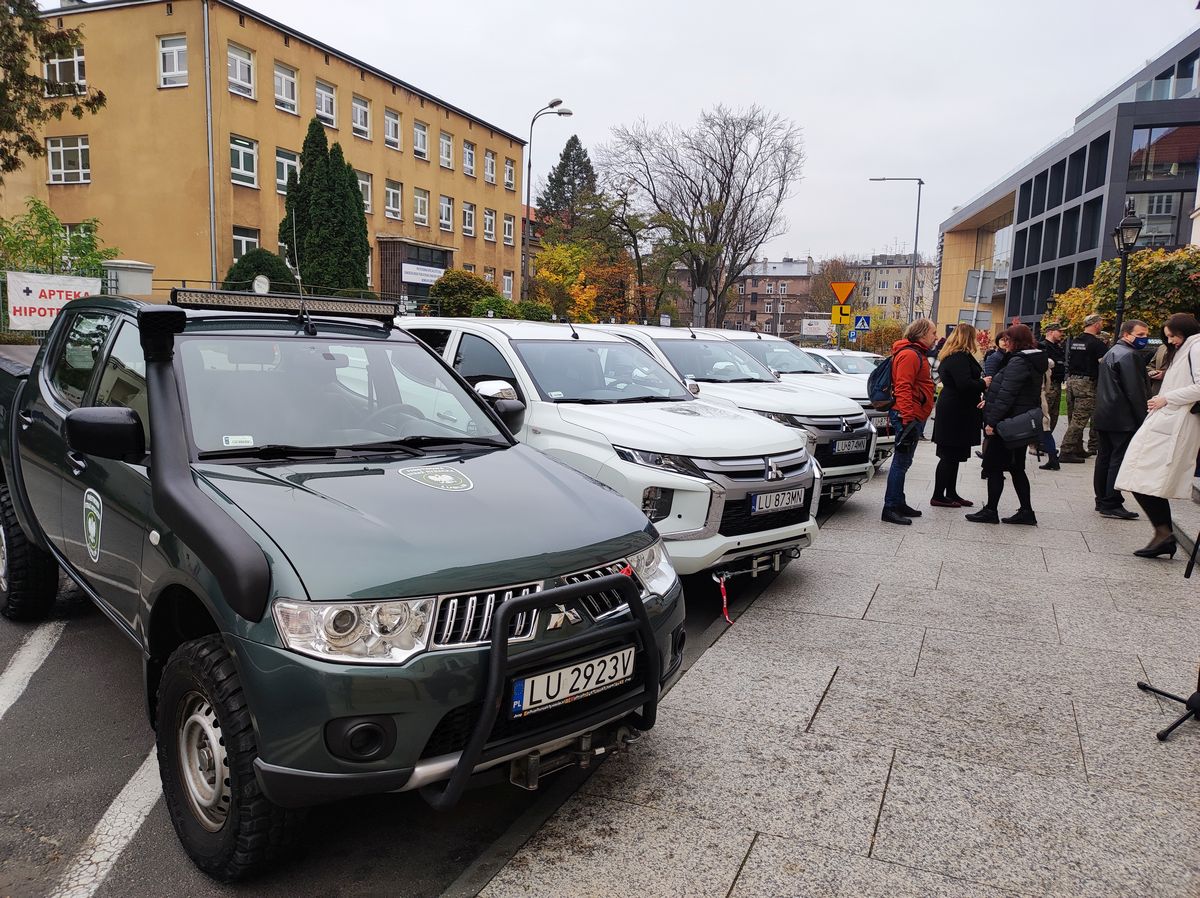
<point x="852" y="336"/>
<point x="842" y="289"/>
<point x="842" y="315"/>
<point x="862" y="322"/>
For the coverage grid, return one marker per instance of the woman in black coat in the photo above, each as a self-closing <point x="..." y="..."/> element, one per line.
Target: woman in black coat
<point x="1016" y="389"/>
<point x="957" y="418"/>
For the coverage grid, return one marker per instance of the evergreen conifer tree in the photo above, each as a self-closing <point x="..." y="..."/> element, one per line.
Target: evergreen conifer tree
<point x="293" y="230"/>
<point x="569" y="187"/>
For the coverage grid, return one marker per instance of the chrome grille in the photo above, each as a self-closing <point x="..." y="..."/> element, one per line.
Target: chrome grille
<point x="754" y="468"/>
<point x="608" y="603"/>
<point x="853" y="420"/>
<point x="465" y="619"/>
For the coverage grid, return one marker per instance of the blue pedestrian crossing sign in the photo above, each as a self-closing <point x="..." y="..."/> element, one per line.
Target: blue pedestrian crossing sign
<point x="862" y="322"/>
<point x="852" y="336"/>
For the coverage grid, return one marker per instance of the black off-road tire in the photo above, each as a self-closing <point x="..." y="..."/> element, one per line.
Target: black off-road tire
<point x="200" y="683"/>
<point x="28" y="575"/>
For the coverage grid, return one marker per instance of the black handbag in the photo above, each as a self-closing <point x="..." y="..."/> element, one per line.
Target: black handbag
<point x="1021" y="430"/>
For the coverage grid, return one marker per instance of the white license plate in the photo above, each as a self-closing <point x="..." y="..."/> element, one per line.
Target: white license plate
<point x="548" y="690"/>
<point x="761" y="503"/>
<point x="850" y="445"/>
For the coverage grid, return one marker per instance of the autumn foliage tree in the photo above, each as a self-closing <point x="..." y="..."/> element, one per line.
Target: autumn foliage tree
<point x="829" y="271"/>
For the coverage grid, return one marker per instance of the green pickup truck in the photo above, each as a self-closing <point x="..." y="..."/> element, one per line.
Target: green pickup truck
<point x="343" y="573"/>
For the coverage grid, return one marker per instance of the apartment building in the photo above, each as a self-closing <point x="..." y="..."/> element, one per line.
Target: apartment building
<point x="208" y="104"/>
<point x="885" y="285"/>
<point x="771" y="297"/>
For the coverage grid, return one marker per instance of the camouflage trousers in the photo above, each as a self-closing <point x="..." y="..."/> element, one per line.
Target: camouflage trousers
<point x="1081" y="401"/>
<point x="1053" y="401"/>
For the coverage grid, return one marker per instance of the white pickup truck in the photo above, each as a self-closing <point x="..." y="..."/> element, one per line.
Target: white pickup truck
<point x="838" y="432"/>
<point x="727" y="490"/>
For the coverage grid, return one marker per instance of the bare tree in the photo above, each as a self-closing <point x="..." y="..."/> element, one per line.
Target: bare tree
<point x="715" y="190"/>
<point x="829" y="271"/>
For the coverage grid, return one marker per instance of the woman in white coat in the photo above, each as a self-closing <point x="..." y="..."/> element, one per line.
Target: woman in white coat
<point x="1161" y="459"/>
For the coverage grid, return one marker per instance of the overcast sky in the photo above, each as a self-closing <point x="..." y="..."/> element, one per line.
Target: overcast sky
<point x="957" y="92"/>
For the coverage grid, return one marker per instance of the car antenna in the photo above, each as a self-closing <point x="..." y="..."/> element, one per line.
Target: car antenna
<point x="574" y="333"/>
<point x="692" y="332"/>
<point x="310" y="329"/>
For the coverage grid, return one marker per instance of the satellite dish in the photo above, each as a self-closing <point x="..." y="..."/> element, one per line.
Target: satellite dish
<point x="261" y="284"/>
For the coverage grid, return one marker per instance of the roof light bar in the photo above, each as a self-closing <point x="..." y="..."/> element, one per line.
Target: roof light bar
<point x="341" y="307"/>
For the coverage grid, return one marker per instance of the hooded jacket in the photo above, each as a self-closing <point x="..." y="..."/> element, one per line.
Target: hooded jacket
<point x="1017" y="387"/>
<point x="912" y="383"/>
<point x="1121" y="391"/>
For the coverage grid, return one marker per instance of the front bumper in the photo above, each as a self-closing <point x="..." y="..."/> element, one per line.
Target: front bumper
<point x="294" y="699"/>
<point x="693" y="556"/>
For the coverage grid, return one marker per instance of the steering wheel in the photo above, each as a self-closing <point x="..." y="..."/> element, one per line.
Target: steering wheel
<point x="402" y="408"/>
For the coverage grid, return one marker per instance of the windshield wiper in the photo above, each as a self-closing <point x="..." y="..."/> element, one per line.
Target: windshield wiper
<point x="383" y="446"/>
<point x="271" y="450"/>
<point x="431" y="440"/>
<point x="650" y="399"/>
<point x="746" y="380"/>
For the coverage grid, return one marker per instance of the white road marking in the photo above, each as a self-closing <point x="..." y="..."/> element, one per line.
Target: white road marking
<point x="25" y="663"/>
<point x="115" y="830"/>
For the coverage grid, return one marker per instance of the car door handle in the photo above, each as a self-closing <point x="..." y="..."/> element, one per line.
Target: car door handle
<point x="78" y="463"/>
<point x="446" y="416"/>
<point x="25" y="418"/>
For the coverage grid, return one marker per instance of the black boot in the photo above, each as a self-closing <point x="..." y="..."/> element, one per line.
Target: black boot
<point x="1023" y="516"/>
<point x="893" y="516"/>
<point x="985" y="515"/>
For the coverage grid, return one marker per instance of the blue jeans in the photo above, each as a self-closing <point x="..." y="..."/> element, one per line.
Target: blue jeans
<point x="1048" y="445"/>
<point x="902" y="460"/>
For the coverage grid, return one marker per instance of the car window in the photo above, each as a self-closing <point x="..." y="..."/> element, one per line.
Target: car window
<point x="435" y="338"/>
<point x="713" y="361"/>
<point x="853" y="364"/>
<point x="478" y="360"/>
<point x="78" y="353"/>
<point x="583" y="371"/>
<point x="123" y="380"/>
<point x="781" y="356"/>
<point x="824" y="363"/>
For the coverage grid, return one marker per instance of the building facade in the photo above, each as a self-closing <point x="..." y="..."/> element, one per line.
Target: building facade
<point x="186" y="167"/>
<point x="769" y="297"/>
<point x="1046" y="226"/>
<point x="885" y="286"/>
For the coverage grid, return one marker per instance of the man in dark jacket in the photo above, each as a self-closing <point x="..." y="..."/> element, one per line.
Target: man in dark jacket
<point x="1055" y="348"/>
<point x="1121" y="396"/>
<point x="1083" y="362"/>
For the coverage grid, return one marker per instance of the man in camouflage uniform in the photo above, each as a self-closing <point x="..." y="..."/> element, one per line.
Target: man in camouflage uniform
<point x="1083" y="367"/>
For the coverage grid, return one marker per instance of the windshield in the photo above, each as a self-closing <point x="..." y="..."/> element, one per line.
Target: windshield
<point x="781" y="356"/>
<point x="854" y="364"/>
<point x="248" y="392"/>
<point x="713" y="361"/>
<point x="583" y="371"/>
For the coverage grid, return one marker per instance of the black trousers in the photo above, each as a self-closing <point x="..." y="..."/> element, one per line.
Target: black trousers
<point x="1157" y="509"/>
<point x="1110" y="452"/>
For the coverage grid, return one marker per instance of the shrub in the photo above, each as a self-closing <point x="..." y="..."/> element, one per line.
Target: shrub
<point x="529" y="310"/>
<point x="242" y="273"/>
<point x="497" y="305"/>
<point x="457" y="291"/>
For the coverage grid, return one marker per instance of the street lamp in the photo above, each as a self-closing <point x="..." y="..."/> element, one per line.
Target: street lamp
<point x="554" y="107"/>
<point x="912" y="296"/>
<point x="1125" y="237"/>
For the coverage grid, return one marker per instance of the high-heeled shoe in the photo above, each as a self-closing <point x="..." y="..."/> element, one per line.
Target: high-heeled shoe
<point x="1167" y="546"/>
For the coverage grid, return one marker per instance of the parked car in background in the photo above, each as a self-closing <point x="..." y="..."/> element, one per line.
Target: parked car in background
<point x="838" y="431"/>
<point x="804" y="367"/>
<point x="727" y="490"/>
<point x="846" y="361"/>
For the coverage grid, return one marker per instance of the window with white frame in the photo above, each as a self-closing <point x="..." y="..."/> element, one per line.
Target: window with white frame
<point x="64" y="75"/>
<point x="391" y="128"/>
<point x="881" y="300"/>
<point x="244" y="240"/>
<point x="469" y="266"/>
<point x="285" y="87"/>
<point x="509" y="226"/>
<point x="326" y="109"/>
<point x="172" y="61"/>
<point x="507" y="284"/>
<point x="393" y="199"/>
<point x="510" y="174"/>
<point x="468" y="158"/>
<point x="286" y="162"/>
<point x="364" y="185"/>
<point x="241" y="71"/>
<point x="489" y="224"/>
<point x="783" y="288"/>
<point x="445" y="150"/>
<point x="489" y="166"/>
<point x="370" y="255"/>
<point x="739" y="305"/>
<point x="446" y="213"/>
<point x="770" y="288"/>
<point x="468" y="224"/>
<point x="768" y="306"/>
<point x="421" y="206"/>
<point x="243" y="160"/>
<point x="489" y="275"/>
<point x="767" y="326"/>
<point x="420" y="140"/>
<point x="741" y="288"/>
<point x="360" y="117"/>
<point x="70" y="160"/>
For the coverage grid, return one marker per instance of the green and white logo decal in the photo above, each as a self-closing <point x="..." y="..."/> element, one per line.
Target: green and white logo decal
<point x="440" y="477"/>
<point x="93" y="517"/>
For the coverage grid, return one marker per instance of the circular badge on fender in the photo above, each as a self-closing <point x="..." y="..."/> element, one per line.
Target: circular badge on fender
<point x="440" y="477"/>
<point x="93" y="517"/>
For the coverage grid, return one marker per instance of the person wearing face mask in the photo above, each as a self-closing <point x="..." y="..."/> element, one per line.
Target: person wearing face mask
<point x="1159" y="462"/>
<point x="1121" y="396"/>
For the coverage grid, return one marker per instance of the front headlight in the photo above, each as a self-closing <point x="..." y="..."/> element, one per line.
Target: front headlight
<point x="360" y="633"/>
<point x="654" y="569"/>
<point x="678" y="464"/>
<point x="777" y="416"/>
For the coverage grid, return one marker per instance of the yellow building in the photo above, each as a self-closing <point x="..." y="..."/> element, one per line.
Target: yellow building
<point x="208" y="104"/>
<point x="980" y="242"/>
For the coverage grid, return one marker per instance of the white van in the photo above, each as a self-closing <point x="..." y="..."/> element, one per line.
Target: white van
<point x="726" y="489"/>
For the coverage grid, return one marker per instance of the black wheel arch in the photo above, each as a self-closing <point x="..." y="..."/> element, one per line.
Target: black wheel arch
<point x="177" y="616"/>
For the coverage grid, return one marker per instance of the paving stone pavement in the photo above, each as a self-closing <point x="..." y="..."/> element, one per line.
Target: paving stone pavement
<point x="946" y="709"/>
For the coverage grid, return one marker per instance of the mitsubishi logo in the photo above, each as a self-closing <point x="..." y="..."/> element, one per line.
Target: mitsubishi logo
<point x="847" y="427"/>
<point x="773" y="472"/>
<point x="563" y="615"/>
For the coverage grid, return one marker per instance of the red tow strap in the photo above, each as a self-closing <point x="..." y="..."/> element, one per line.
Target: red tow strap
<point x="724" y="601"/>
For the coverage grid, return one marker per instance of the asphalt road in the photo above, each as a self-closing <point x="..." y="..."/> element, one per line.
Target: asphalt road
<point x="77" y="734"/>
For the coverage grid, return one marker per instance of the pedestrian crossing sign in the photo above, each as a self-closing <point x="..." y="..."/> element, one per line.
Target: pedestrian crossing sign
<point x="862" y="322"/>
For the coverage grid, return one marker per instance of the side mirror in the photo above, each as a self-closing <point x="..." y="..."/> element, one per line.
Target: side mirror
<point x="511" y="412"/>
<point x="692" y="387"/>
<point x="775" y="374"/>
<point x="493" y="390"/>
<point x="107" y="432"/>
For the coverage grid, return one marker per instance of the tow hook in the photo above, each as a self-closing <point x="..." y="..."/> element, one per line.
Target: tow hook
<point x="528" y="770"/>
<point x="758" y="565"/>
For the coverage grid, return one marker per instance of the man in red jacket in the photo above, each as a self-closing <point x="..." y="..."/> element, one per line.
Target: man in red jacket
<point x="912" y="387"/>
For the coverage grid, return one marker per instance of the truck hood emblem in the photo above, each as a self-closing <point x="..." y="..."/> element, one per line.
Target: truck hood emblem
<point x="773" y="472"/>
<point x="563" y="615"/>
<point x="440" y="477"/>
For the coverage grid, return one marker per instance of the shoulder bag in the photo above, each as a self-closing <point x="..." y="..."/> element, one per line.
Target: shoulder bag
<point x="1021" y="430"/>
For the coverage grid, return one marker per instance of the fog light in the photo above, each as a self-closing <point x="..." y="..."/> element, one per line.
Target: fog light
<point x="656" y="502"/>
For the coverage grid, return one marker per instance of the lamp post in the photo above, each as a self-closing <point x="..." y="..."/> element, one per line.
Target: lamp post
<point x="554" y="107"/>
<point x="912" y="296"/>
<point x="1125" y="237"/>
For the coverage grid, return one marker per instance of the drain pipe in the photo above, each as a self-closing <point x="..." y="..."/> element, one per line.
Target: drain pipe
<point x="212" y="189"/>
